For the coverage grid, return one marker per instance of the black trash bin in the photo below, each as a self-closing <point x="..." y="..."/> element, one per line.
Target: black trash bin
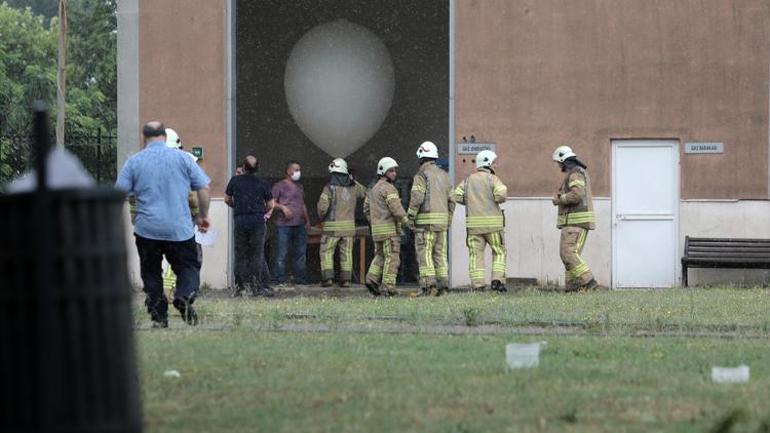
<point x="67" y="360"/>
<point x="79" y="374"/>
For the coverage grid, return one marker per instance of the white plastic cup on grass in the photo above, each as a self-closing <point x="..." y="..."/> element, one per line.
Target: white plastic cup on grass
<point x="739" y="374"/>
<point x="522" y="355"/>
<point x="172" y="374"/>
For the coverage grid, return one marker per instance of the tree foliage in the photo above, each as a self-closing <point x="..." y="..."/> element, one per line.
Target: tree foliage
<point x="28" y="55"/>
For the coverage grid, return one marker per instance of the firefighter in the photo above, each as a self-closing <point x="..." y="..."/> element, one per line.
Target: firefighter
<point x="383" y="209"/>
<point x="481" y="193"/>
<point x="576" y="217"/>
<point x="337" y="209"/>
<point x="430" y="212"/>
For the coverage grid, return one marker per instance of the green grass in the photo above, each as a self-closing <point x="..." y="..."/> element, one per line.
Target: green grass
<point x="627" y="312"/>
<point x="390" y="365"/>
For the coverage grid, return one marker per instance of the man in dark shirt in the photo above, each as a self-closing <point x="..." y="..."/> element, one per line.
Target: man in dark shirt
<point x="251" y="198"/>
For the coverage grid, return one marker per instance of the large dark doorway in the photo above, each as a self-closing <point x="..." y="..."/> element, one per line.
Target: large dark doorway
<point x="415" y="34"/>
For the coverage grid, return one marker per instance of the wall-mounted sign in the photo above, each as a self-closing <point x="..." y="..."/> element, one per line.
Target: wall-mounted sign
<point x="704" y="147"/>
<point x="474" y="148"/>
<point x="198" y="152"/>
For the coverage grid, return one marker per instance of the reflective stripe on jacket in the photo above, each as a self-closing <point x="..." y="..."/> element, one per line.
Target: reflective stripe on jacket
<point x="430" y="203"/>
<point x="481" y="193"/>
<point x="337" y="208"/>
<point x="576" y="206"/>
<point x="383" y="209"/>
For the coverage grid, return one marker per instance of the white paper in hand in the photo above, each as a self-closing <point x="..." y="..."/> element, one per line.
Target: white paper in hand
<point x="207" y="238"/>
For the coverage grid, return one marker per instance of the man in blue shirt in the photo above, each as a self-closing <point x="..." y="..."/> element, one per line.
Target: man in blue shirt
<point x="161" y="177"/>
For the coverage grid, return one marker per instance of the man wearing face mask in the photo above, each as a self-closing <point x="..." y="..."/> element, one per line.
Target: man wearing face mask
<point x="251" y="198"/>
<point x="291" y="222"/>
<point x="387" y="217"/>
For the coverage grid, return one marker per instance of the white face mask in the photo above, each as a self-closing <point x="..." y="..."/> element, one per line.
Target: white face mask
<point x="296" y="175"/>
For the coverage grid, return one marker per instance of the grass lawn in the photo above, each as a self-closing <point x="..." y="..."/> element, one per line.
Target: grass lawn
<point x="439" y="365"/>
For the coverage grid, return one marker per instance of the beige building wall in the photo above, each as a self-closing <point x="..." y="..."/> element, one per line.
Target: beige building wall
<point x="182" y="81"/>
<point x="535" y="74"/>
<point x="183" y="75"/>
<point x="531" y="75"/>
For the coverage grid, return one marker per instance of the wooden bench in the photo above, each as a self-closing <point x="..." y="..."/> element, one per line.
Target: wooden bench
<point x="725" y="253"/>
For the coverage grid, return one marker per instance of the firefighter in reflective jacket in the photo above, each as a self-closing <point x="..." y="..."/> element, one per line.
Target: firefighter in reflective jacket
<point x="576" y="217"/>
<point x="383" y="209"/>
<point x="481" y="193"/>
<point x="430" y="212"/>
<point x="337" y="210"/>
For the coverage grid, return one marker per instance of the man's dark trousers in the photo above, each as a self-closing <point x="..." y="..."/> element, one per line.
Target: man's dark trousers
<point x="249" y="257"/>
<point x="183" y="256"/>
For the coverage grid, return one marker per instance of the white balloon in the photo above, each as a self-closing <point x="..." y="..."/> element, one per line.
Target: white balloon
<point x="339" y="85"/>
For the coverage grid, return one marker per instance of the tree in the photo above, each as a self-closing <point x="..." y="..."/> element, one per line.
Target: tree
<point x="46" y="8"/>
<point x="92" y="70"/>
<point x="28" y="72"/>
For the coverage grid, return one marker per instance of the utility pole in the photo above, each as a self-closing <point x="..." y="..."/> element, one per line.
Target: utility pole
<point x="61" y="76"/>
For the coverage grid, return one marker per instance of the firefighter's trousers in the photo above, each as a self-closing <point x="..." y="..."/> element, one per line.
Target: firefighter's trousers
<point x="573" y="239"/>
<point x="328" y="245"/>
<point x="384" y="266"/>
<point x="476" y="246"/>
<point x="431" y="250"/>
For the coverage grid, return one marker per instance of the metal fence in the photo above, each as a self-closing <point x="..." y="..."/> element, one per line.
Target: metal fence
<point x="97" y="152"/>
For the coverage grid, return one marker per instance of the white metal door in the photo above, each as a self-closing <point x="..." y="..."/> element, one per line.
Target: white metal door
<point x="645" y="209"/>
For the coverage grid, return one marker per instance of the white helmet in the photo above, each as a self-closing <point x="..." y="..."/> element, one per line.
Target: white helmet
<point x="562" y="153"/>
<point x="427" y="150"/>
<point x="485" y="158"/>
<point x="338" y="166"/>
<point x="385" y="164"/>
<point x="172" y="139"/>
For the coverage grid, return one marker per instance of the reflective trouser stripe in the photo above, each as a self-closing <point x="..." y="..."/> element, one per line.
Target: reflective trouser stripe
<point x="346" y="258"/>
<point x="495" y="241"/>
<point x="384" y="266"/>
<point x="169" y="283"/>
<point x="431" y="252"/>
<point x="440" y="258"/>
<point x="328" y="246"/>
<point x="476" y="245"/>
<point x="425" y="255"/>
<point x="573" y="241"/>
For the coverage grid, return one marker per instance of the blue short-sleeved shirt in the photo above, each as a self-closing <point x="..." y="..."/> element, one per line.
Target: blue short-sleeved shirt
<point x="161" y="177"/>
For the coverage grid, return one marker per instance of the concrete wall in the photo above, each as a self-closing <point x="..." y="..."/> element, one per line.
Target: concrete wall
<point x="532" y="239"/>
<point x="535" y="74"/>
<point x="739" y="219"/>
<point x="128" y="79"/>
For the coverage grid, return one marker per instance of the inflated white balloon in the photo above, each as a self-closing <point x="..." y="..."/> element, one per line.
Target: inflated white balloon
<point x="339" y="85"/>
